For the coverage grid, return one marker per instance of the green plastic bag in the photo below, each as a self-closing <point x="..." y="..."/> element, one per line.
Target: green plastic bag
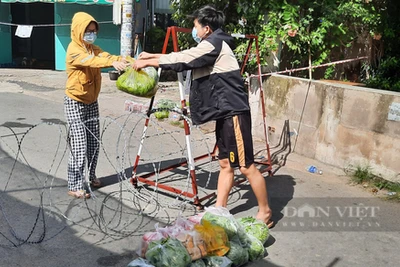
<point x="168" y="252"/>
<point x="255" y="228"/>
<point x="141" y="83"/>
<point x="237" y="254"/>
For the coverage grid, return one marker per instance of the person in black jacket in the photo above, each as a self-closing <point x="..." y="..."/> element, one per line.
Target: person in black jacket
<point x="217" y="93"/>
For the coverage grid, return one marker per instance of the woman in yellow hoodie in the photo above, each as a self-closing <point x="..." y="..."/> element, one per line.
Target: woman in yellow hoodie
<point x="83" y="62"/>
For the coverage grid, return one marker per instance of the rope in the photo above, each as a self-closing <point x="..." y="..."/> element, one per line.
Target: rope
<point x="48" y="25"/>
<point x="312" y="67"/>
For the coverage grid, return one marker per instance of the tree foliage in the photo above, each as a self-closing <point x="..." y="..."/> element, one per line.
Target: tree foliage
<point x="308" y="30"/>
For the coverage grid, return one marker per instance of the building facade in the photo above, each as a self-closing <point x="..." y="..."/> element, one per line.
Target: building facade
<point x="51" y="20"/>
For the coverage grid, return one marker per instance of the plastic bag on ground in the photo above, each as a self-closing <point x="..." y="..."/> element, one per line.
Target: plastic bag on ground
<point x="256" y="249"/>
<point x="214" y="237"/>
<point x="180" y="225"/>
<point x="255" y="228"/>
<point x="196" y="219"/>
<point x="221" y="216"/>
<point x="184" y="223"/>
<point x="168" y="252"/>
<point x="216" y="261"/>
<point x="194" y="244"/>
<point x="140" y="262"/>
<point x="197" y="263"/>
<point x="237" y="254"/>
<point x="148" y="237"/>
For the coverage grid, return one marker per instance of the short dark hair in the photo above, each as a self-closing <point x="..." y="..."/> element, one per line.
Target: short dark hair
<point x="209" y="16"/>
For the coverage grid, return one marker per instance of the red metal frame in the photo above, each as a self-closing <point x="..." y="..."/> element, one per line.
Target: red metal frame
<point x="172" y="32"/>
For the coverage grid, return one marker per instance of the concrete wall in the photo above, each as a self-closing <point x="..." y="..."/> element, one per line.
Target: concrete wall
<point x="337" y="124"/>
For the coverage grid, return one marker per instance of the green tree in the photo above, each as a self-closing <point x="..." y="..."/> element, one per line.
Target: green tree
<point x="384" y="69"/>
<point x="307" y="30"/>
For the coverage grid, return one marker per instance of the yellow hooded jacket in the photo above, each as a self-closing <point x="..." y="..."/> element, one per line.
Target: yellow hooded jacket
<point x="83" y="62"/>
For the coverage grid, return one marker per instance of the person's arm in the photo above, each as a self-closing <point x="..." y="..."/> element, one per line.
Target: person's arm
<point x="203" y="55"/>
<point x="81" y="58"/>
<point x="143" y="63"/>
<point x="145" y="55"/>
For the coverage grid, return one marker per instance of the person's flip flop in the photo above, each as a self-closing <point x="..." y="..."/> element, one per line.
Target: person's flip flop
<point x="79" y="194"/>
<point x="96" y="183"/>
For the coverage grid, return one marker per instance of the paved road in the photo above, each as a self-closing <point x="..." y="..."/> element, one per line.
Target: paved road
<point x="321" y="220"/>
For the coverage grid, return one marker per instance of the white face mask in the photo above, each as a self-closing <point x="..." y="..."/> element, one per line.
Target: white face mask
<point x="90" y="37"/>
<point x="196" y="38"/>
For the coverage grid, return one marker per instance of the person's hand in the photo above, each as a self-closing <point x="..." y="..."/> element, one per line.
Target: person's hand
<point x="119" y="65"/>
<point x="139" y="64"/>
<point x="123" y="59"/>
<point x="145" y="55"/>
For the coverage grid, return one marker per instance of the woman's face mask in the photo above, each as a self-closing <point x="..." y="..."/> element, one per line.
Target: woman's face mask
<point x="90" y="37"/>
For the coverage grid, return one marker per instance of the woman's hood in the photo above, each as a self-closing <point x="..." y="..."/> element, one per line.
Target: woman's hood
<point x="80" y="21"/>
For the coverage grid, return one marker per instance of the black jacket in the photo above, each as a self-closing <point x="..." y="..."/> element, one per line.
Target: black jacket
<point x="217" y="89"/>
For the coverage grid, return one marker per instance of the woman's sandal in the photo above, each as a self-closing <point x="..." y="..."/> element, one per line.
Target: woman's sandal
<point x="79" y="194"/>
<point x="96" y="183"/>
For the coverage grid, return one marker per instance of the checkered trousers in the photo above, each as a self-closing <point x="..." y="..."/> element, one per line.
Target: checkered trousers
<point x="83" y="138"/>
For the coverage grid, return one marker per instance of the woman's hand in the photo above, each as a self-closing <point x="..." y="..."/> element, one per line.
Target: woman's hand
<point x="120" y="65"/>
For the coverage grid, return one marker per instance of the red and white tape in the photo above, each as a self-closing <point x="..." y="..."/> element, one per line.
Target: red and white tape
<point x="312" y="67"/>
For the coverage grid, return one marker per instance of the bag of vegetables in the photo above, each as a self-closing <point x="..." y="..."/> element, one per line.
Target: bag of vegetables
<point x="237" y="254"/>
<point x="221" y="216"/>
<point x="194" y="244"/>
<point x="256" y="249"/>
<point x="197" y="263"/>
<point x="141" y="83"/>
<point x="140" y="262"/>
<point x="216" y="261"/>
<point x="255" y="228"/>
<point x="168" y="252"/>
<point x="147" y="238"/>
<point x="214" y="237"/>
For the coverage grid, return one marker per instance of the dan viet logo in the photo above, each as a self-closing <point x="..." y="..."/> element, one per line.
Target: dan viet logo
<point x="310" y="211"/>
<point x="335" y="217"/>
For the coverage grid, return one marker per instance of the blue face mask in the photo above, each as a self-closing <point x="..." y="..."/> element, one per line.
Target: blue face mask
<point x="196" y="38"/>
<point x="90" y="37"/>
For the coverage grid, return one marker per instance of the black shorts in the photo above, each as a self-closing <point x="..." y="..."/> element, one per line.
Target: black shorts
<point x="234" y="140"/>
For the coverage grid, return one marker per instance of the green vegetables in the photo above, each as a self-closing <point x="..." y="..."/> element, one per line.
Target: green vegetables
<point x="163" y="106"/>
<point x="216" y="261"/>
<point x="168" y="252"/>
<point x="255" y="228"/>
<point x="162" y="114"/>
<point x="256" y="249"/>
<point x="237" y="254"/>
<point x="228" y="224"/>
<point x="197" y="263"/>
<point x="141" y="83"/>
<point x="225" y="241"/>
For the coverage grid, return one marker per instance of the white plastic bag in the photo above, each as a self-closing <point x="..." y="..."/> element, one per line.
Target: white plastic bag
<point x="139" y="262"/>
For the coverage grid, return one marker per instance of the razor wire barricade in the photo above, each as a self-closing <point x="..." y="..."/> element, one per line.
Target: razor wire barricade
<point x="33" y="179"/>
